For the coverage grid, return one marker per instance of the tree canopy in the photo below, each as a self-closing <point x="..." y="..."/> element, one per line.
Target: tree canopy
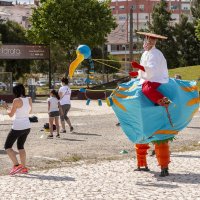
<point x="97" y="53"/>
<point x="71" y="23"/>
<point x="160" y="24"/>
<point x="186" y="43"/>
<point x="198" y="30"/>
<point x="13" y="33"/>
<point x="196" y="14"/>
<point x="181" y="48"/>
<point x="195" y="8"/>
<point x="68" y="23"/>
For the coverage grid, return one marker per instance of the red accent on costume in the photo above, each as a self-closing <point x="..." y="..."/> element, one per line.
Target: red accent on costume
<point x="141" y="152"/>
<point x="137" y="66"/>
<point x="133" y="74"/>
<point x="162" y="154"/>
<point x="149" y="89"/>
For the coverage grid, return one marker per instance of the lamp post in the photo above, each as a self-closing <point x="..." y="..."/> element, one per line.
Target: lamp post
<point x="131" y="35"/>
<point x="124" y="48"/>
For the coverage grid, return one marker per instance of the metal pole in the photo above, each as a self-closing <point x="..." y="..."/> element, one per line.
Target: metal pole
<point x="124" y="46"/>
<point x="49" y="66"/>
<point x="103" y="67"/>
<point x="125" y="59"/>
<point x="127" y="12"/>
<point x="131" y="35"/>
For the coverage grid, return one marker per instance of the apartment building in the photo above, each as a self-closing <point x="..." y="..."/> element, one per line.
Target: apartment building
<point x="19" y="11"/>
<point x="5" y="3"/>
<point x="118" y="40"/>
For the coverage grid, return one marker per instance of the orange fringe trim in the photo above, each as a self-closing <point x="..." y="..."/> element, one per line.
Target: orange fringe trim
<point x="162" y="154"/>
<point x="141" y="152"/>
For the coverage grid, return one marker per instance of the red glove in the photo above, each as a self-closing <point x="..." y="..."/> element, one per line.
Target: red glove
<point x="133" y="74"/>
<point x="137" y="66"/>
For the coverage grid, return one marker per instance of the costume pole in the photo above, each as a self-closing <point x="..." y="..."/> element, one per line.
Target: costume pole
<point x="169" y="117"/>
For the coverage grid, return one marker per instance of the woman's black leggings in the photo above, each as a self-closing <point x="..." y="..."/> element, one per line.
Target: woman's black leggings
<point x="19" y="135"/>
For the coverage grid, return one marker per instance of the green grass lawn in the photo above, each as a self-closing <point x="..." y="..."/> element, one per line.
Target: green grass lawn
<point x="187" y="73"/>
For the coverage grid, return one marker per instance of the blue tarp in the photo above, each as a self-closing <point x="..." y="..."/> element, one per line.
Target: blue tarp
<point x="142" y="121"/>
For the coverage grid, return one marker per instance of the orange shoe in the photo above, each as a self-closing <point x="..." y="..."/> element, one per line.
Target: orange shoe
<point x="15" y="169"/>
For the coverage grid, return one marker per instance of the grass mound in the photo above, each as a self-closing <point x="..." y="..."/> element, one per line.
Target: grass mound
<point x="187" y="73"/>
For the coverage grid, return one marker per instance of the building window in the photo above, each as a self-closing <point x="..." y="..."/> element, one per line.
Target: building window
<point x="174" y="7"/>
<point x="113" y="47"/>
<point x="112" y="7"/>
<point x="185" y="6"/>
<point x="141" y="7"/>
<point x="133" y="7"/>
<point x="121" y="7"/>
<point x="122" y="17"/>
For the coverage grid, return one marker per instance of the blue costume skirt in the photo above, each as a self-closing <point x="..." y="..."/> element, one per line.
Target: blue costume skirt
<point x="142" y="121"/>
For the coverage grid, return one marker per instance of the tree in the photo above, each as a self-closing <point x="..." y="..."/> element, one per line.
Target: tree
<point x="198" y="30"/>
<point x="195" y="9"/>
<point x="108" y="60"/>
<point x="58" y="61"/>
<point x="196" y="15"/>
<point x="0" y="40"/>
<point x="186" y="42"/>
<point x="71" y="23"/>
<point x="13" y="33"/>
<point x="161" y="19"/>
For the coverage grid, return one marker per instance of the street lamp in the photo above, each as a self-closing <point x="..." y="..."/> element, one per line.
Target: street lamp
<point x="124" y="48"/>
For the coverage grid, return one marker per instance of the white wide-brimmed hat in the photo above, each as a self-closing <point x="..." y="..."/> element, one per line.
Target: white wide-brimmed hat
<point x="152" y="35"/>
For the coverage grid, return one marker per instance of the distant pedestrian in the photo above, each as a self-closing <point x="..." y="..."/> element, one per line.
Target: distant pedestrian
<point x="21" y="107"/>
<point x="53" y="110"/>
<point x="65" y="104"/>
<point x="177" y="76"/>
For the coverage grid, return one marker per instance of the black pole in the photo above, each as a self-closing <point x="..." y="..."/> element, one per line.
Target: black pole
<point x="103" y="66"/>
<point x="49" y="67"/>
<point x="131" y="35"/>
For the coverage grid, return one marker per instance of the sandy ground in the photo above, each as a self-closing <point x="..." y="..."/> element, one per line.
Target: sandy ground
<point x="95" y="137"/>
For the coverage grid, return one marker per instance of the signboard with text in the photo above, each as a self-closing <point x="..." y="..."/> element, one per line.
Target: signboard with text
<point x="29" y="52"/>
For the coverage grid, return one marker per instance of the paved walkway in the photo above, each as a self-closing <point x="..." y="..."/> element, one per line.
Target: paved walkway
<point x="109" y="180"/>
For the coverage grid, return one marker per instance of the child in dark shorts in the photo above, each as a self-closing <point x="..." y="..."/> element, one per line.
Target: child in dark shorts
<point x="53" y="110"/>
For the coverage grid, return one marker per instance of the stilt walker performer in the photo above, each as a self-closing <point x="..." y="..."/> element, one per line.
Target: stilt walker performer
<point x="152" y="72"/>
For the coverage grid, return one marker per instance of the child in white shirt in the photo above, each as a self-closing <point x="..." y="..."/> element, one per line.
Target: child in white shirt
<point x="53" y="110"/>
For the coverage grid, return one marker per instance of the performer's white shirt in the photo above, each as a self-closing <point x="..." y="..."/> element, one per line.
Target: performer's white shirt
<point x="155" y="66"/>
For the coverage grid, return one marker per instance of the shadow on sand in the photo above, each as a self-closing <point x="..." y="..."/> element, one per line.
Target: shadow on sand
<point x="184" y="156"/>
<point x="46" y="177"/>
<point x="2" y="152"/>
<point x="73" y="140"/>
<point x="182" y="178"/>
<point x="195" y="127"/>
<point x="87" y="134"/>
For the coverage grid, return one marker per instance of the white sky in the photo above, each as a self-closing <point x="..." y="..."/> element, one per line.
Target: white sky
<point x="21" y="1"/>
<point x="25" y="1"/>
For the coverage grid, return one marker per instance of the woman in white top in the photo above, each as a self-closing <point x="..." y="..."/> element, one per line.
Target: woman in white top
<point x="65" y="104"/>
<point x="53" y="109"/>
<point x="21" y="107"/>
